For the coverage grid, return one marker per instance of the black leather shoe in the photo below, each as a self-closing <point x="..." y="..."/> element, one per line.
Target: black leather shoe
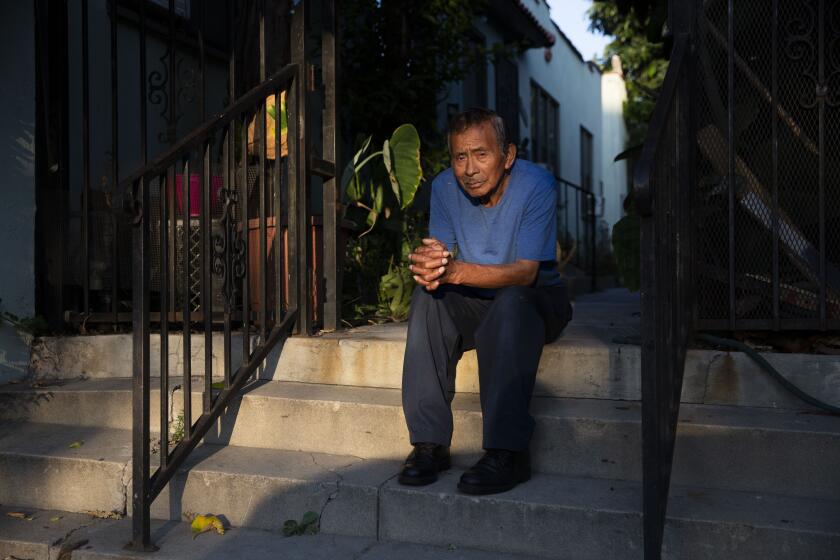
<point x="424" y="463"/>
<point x="498" y="471"/>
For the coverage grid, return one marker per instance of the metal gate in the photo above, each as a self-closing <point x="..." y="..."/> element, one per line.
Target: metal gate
<point x="120" y="83"/>
<point x="767" y="202"/>
<point x="738" y="187"/>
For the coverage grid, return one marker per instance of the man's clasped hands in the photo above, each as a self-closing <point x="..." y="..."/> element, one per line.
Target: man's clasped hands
<point x="433" y="264"/>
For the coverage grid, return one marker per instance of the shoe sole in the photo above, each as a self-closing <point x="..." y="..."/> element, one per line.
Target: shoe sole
<point x="416" y="481"/>
<point x="483" y="489"/>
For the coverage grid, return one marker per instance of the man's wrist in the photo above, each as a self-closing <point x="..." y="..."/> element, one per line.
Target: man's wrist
<point x="453" y="272"/>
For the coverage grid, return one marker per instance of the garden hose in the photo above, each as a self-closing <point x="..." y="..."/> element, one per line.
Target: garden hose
<point x="766" y="366"/>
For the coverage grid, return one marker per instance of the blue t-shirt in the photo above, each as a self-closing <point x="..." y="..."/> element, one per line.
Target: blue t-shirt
<point x="523" y="225"/>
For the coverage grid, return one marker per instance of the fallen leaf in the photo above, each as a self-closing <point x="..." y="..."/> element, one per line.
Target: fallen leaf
<point x="20" y="515"/>
<point x="104" y="514"/>
<point x="76" y="444"/>
<point x="203" y="523"/>
<point x="56" y="518"/>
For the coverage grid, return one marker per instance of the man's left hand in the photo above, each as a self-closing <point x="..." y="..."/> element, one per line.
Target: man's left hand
<point x="430" y="262"/>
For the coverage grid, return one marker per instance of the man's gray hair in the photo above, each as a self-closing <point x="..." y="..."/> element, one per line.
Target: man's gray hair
<point x="474" y="117"/>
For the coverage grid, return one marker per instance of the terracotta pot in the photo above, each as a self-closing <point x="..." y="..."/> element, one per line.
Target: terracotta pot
<point x="316" y="258"/>
<point x="269" y="131"/>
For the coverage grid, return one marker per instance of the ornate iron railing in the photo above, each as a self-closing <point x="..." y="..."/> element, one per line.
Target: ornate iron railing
<point x="663" y="187"/>
<point x="253" y="264"/>
<point x="576" y="213"/>
<point x="107" y="112"/>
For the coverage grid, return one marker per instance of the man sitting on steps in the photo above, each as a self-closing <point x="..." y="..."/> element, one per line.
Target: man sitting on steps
<point x="487" y="279"/>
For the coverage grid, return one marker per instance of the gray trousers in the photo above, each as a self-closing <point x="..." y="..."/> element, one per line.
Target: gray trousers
<point x="508" y="332"/>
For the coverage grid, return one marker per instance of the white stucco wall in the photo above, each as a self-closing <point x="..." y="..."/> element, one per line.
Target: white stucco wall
<point x="586" y="99"/>
<point x="614" y="141"/>
<point x="17" y="180"/>
<point x="576" y="86"/>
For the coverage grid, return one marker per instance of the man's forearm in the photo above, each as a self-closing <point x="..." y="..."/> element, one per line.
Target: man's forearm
<point x="492" y="276"/>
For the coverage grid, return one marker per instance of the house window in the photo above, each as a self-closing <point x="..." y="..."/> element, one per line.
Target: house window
<point x="475" y="83"/>
<point x="182" y="7"/>
<point x="586" y="159"/>
<point x="507" y="95"/>
<point x="545" y="124"/>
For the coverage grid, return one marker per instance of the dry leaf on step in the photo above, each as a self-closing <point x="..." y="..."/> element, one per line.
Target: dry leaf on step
<point x="203" y="523"/>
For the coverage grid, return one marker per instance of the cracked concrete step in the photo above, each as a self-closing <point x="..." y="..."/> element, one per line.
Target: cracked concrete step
<point x="49" y="533"/>
<point x="257" y="488"/>
<point x="717" y="447"/>
<point x="553" y="516"/>
<point x="589" y="519"/>
<point x="586" y="362"/>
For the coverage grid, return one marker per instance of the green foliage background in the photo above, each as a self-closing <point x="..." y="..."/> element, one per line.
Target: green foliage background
<point x="396" y="58"/>
<point x="639" y="29"/>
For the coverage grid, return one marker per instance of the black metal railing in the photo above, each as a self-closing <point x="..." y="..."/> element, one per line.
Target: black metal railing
<point x="577" y="234"/>
<point x="663" y="187"/>
<point x="250" y="277"/>
<point x="105" y="114"/>
<point x="738" y="195"/>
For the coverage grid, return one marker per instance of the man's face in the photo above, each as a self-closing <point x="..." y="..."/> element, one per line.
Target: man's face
<point x="477" y="159"/>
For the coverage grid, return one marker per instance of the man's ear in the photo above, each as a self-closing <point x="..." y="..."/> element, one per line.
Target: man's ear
<point x="510" y="156"/>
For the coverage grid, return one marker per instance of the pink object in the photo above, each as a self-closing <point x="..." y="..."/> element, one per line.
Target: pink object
<point x="195" y="193"/>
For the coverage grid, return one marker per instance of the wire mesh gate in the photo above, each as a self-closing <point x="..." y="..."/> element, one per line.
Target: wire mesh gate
<point x="767" y="199"/>
<point x="739" y="195"/>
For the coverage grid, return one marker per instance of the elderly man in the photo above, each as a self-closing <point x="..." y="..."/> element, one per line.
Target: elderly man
<point x="487" y="279"/>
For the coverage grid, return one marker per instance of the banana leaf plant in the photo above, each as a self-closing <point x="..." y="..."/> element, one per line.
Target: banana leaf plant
<point x="388" y="190"/>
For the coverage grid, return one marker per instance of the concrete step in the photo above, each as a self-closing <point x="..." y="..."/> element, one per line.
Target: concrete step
<point x="738" y="448"/>
<point x="46" y="534"/>
<point x="257" y="488"/>
<point x="586" y="362"/>
<point x="550" y="516"/>
<point x="561" y="517"/>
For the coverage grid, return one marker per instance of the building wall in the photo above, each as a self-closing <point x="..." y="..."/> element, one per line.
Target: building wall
<point x="17" y="181"/>
<point x="576" y="86"/>
<point x="613" y="96"/>
<point x="586" y="99"/>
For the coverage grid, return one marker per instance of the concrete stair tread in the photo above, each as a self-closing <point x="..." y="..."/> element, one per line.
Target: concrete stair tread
<point x="112" y="445"/>
<point x="260" y="488"/>
<point x="559" y="407"/>
<point x="55" y="440"/>
<point x="624" y="497"/>
<point x="50" y="532"/>
<point x="588" y="361"/>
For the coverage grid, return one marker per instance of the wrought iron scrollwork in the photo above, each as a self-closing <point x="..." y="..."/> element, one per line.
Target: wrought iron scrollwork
<point x="229" y="247"/>
<point x="806" y="45"/>
<point x="833" y="49"/>
<point x="158" y="94"/>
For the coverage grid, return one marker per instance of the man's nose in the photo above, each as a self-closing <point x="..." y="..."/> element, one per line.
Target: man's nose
<point x="470" y="169"/>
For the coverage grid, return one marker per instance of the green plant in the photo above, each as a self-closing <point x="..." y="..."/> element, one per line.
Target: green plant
<point x="35" y="326"/>
<point x="382" y="196"/>
<point x="177" y="429"/>
<point x="626" y="244"/>
<point x="272" y="113"/>
<point x="308" y="525"/>
<point x="400" y="156"/>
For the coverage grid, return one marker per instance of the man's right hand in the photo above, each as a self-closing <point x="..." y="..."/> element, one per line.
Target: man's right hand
<point x="428" y="263"/>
